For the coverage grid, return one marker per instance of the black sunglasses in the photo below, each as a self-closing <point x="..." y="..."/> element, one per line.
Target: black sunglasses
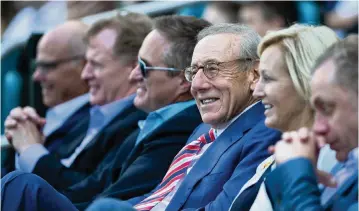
<point x="144" y="68"/>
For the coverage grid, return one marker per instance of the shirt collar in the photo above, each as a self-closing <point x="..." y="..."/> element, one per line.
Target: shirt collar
<point x="172" y="109"/>
<point x="62" y="110"/>
<point x="218" y="131"/>
<point x="157" y="117"/>
<point x="352" y="160"/>
<point x="110" y="110"/>
<point x="57" y="115"/>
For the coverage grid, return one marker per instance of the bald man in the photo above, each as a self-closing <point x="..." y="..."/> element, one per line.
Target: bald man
<point x="111" y="53"/>
<point x="59" y="63"/>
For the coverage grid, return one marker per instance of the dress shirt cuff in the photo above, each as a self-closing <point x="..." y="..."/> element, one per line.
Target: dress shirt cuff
<point x="30" y="156"/>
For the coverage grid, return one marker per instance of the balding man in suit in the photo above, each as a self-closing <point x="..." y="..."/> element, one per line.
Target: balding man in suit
<point x="59" y="62"/>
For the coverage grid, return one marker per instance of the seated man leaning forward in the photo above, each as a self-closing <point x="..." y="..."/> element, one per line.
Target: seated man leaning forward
<point x="111" y="55"/>
<point x="208" y="171"/>
<point x="60" y="54"/>
<point x="284" y="87"/>
<point x="293" y="185"/>
<point x="164" y="93"/>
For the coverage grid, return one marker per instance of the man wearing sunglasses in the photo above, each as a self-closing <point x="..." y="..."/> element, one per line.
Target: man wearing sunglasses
<point x="112" y="46"/>
<point x="163" y="93"/>
<point x="208" y="172"/>
<point x="60" y="55"/>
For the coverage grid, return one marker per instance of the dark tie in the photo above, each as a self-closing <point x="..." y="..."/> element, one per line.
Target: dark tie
<point x="176" y="171"/>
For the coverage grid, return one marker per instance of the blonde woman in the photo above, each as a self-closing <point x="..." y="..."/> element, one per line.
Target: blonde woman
<point x="286" y="59"/>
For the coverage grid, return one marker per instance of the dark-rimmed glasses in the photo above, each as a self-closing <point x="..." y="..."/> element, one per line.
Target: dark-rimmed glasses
<point x="210" y="69"/>
<point x="144" y="68"/>
<point x="45" y="66"/>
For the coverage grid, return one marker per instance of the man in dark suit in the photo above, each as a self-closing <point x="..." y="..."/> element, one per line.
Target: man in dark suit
<point x="60" y="53"/>
<point x="293" y="184"/>
<point x="111" y="55"/>
<point x="164" y="93"/>
<point x="207" y="172"/>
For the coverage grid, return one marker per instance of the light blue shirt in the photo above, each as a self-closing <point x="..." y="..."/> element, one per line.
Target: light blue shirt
<point x="57" y="115"/>
<point x="158" y="117"/>
<point x="100" y="116"/>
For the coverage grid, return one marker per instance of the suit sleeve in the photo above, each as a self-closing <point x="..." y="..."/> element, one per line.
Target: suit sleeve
<point x="147" y="170"/>
<point x="102" y="177"/>
<point x="293" y="189"/>
<point x="50" y="168"/>
<point x="252" y="154"/>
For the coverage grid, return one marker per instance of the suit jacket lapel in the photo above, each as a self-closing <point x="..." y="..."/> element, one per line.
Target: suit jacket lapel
<point x="74" y="127"/>
<point x="343" y="188"/>
<point x="71" y="141"/>
<point x="210" y="158"/>
<point x="112" y="126"/>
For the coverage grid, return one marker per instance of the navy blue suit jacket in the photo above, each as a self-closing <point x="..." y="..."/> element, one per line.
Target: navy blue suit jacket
<point x="293" y="186"/>
<point x="124" y="178"/>
<point x="227" y="164"/>
<point x="75" y="126"/>
<point x="50" y="168"/>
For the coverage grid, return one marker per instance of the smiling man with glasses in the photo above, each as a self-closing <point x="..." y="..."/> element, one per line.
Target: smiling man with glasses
<point x="112" y="49"/>
<point x="58" y="66"/>
<point x="172" y="116"/>
<point x="222" y="154"/>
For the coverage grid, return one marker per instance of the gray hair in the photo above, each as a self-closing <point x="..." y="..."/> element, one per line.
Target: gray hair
<point x="247" y="46"/>
<point x="251" y="39"/>
<point x="344" y="54"/>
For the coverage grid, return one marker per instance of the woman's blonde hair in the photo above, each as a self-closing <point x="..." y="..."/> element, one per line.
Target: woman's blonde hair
<point x="301" y="46"/>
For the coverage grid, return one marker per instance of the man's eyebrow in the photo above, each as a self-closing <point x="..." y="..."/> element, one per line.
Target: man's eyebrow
<point x="205" y="62"/>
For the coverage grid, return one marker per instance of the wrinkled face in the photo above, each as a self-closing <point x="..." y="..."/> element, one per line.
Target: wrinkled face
<point x="336" y="107"/>
<point x="223" y="97"/>
<point x="105" y="73"/>
<point x="157" y="89"/>
<point x="284" y="108"/>
<point x="60" y="81"/>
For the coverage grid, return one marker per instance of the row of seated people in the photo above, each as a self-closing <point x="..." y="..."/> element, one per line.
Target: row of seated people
<point x="184" y="115"/>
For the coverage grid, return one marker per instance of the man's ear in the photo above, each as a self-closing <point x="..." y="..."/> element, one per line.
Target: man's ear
<point x="185" y="86"/>
<point x="254" y="76"/>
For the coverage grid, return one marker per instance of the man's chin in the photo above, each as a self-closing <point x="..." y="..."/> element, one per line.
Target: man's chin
<point x="141" y="105"/>
<point x="210" y="119"/>
<point x="48" y="103"/>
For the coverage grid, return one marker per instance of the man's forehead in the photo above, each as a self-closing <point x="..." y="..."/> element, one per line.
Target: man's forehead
<point x="221" y="47"/>
<point x="105" y="38"/>
<point x="50" y="47"/>
<point x="154" y="46"/>
<point x="324" y="74"/>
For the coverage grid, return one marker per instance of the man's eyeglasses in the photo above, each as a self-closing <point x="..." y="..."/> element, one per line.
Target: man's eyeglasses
<point x="45" y="66"/>
<point x="210" y="69"/>
<point x="144" y="68"/>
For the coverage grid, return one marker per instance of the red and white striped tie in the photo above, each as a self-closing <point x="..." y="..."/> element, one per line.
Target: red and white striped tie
<point x="176" y="171"/>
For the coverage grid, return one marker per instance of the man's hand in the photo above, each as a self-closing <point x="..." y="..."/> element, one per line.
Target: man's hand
<point x="301" y="144"/>
<point x="19" y="115"/>
<point x="24" y="135"/>
<point x="296" y="144"/>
